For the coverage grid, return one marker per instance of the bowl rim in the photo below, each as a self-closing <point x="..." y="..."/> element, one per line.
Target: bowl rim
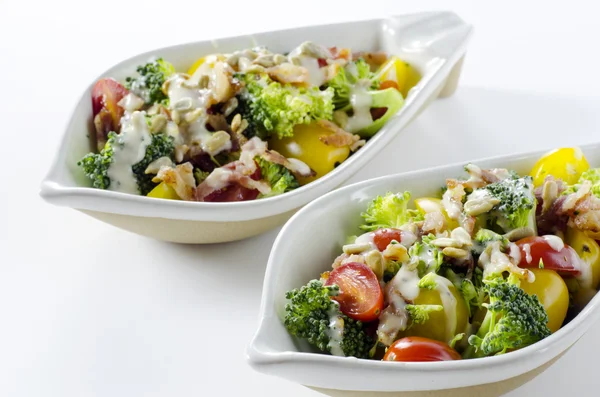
<point x="89" y="198"/>
<point x="260" y="359"/>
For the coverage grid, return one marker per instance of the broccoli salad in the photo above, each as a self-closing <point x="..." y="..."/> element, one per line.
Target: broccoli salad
<point x="240" y="126"/>
<point x="494" y="263"/>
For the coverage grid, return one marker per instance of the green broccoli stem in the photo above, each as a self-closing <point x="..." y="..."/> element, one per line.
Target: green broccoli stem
<point x="486" y="325"/>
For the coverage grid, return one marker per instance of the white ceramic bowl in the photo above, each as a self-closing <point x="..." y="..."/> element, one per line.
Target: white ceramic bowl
<point x="433" y="42"/>
<point x="307" y="245"/>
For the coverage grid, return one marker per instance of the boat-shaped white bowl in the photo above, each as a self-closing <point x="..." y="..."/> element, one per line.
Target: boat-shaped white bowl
<point x="433" y="42"/>
<point x="307" y="245"/>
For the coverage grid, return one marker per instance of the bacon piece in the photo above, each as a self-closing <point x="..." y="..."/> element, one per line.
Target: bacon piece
<point x="180" y="178"/>
<point x="296" y="167"/>
<point x="340" y="137"/>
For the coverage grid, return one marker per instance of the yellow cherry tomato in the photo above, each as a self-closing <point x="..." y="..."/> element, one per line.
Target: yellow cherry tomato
<point x="164" y="191"/>
<point x="566" y="163"/>
<point x="431" y="204"/>
<point x="588" y="250"/>
<point x="404" y="75"/>
<point x="436" y="326"/>
<point x="553" y="294"/>
<point x="306" y="146"/>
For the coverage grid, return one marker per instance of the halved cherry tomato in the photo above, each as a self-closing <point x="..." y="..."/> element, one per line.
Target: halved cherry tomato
<point x="383" y="237"/>
<point x="536" y="248"/>
<point x="235" y="191"/>
<point x="415" y="348"/>
<point x="360" y="297"/>
<point x="107" y="114"/>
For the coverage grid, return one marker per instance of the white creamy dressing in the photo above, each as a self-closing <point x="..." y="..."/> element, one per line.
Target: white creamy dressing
<point x="514" y="253"/>
<point x="180" y="95"/>
<point x="298" y="166"/>
<point x="393" y="319"/>
<point x="554" y="242"/>
<point x="408" y="238"/>
<point x="131" y="103"/>
<point x="335" y="332"/>
<point x="184" y="98"/>
<point x="361" y="104"/>
<point x="498" y="262"/>
<point x="449" y="304"/>
<point x="129" y="149"/>
<point x="406" y="282"/>
<point x="527" y="249"/>
<point x="316" y="74"/>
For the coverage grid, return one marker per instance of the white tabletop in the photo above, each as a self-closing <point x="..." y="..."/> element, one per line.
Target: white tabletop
<point x="89" y="310"/>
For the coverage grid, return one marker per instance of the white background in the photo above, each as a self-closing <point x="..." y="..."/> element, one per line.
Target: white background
<point x="89" y="310"/>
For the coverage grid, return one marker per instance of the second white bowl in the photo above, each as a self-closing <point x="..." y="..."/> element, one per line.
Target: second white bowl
<point x="306" y="247"/>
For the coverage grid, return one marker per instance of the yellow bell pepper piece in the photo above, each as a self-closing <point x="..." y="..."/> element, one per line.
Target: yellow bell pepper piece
<point x="431" y="204"/>
<point x="306" y="146"/>
<point x="164" y="191"/>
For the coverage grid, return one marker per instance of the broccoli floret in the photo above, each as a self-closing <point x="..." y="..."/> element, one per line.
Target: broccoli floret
<point x="517" y="204"/>
<point x="592" y="175"/>
<point x="513" y="320"/>
<point x="311" y="314"/>
<point x="274" y="109"/>
<point x="391" y="268"/>
<point x="428" y="281"/>
<point x="390" y="211"/>
<point x="471" y="290"/>
<point x="200" y="175"/>
<point x="347" y="77"/>
<point x="277" y="176"/>
<point x="428" y="257"/>
<point x="148" y="85"/>
<point x="95" y="165"/>
<point x="420" y="313"/>
<point x="484" y="237"/>
<point x="160" y="146"/>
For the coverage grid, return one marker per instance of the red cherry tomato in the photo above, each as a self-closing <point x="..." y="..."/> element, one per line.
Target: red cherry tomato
<point x="416" y="348"/>
<point x="565" y="262"/>
<point x="235" y="191"/>
<point x="383" y="237"/>
<point x="107" y="114"/>
<point x="360" y="297"/>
